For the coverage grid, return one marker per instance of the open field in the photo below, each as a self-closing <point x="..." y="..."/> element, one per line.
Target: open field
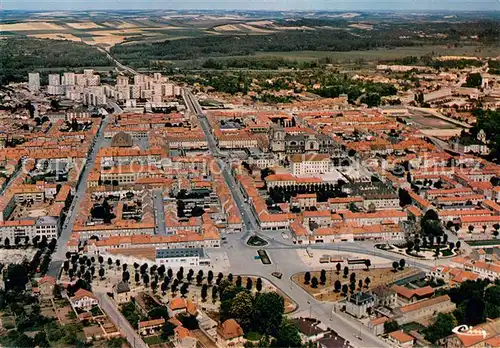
<point x="29" y="26"/>
<point x="60" y="36"/>
<point x="377" y="276"/>
<point x="83" y="25"/>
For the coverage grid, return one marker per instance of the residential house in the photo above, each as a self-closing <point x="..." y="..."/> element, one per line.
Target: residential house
<point x="230" y="334"/>
<point x="360" y="304"/>
<point x="121" y="292"/>
<point x="310" y="330"/>
<point x="376" y="326"/>
<point x="400" y="339"/>
<point x="84" y="299"/>
<point x="46" y="287"/>
<point x="385" y="296"/>
<point x="407" y="295"/>
<point x="150" y="327"/>
<point x="183" y="338"/>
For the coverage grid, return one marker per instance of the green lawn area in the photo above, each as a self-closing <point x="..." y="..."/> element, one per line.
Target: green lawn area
<point x="412" y="326"/>
<point x="153" y="340"/>
<point x="253" y="336"/>
<point x="484" y="242"/>
<point x="446" y="252"/>
<point x="256" y="241"/>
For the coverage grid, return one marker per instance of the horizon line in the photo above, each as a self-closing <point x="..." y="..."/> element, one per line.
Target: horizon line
<point x="256" y="10"/>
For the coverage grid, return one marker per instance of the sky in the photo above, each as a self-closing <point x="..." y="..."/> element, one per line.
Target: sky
<point x="269" y="5"/>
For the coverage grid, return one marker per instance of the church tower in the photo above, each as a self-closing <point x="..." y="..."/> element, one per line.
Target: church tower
<point x="277" y="139"/>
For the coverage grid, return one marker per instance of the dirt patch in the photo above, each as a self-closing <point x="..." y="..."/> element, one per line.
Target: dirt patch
<point x="27" y="26"/>
<point x="362" y="26"/>
<point x="227" y="27"/>
<point x="120" y="25"/>
<point x="83" y="25"/>
<point x="109" y="40"/>
<point x="116" y="32"/>
<point x="377" y="276"/>
<point x="254" y="29"/>
<point x="69" y="37"/>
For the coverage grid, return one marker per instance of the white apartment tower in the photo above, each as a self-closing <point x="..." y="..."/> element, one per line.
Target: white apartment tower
<point x="34" y="82"/>
<point x="69" y="79"/>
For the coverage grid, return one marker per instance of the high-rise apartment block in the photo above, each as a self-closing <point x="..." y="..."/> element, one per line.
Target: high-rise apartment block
<point x="55" y="87"/>
<point x="69" y="79"/>
<point x="34" y="82"/>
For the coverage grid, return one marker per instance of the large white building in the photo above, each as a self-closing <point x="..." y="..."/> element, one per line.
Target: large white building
<point x="310" y="164"/>
<point x="47" y="226"/>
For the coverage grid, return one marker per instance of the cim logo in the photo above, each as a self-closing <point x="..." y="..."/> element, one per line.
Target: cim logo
<point x="465" y="330"/>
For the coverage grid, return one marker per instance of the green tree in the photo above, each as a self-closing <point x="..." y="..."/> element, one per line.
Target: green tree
<point x="474" y="80"/>
<point x="352" y="287"/>
<point x="268" y="312"/>
<point x="322" y="277"/>
<point x="402" y="263"/>
<point x="204" y="292"/>
<point x="390" y="326"/>
<point x="368" y="263"/>
<point x="287" y="335"/>
<point x="242" y="310"/>
<point x="441" y="328"/>
<point x="258" y="285"/>
<point x="395" y="266"/>
<point x="337" y="285"/>
<point x="314" y="282"/>
<point x="307" y="278"/>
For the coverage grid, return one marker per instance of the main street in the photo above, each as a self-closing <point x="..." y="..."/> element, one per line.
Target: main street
<point x="62" y="242"/>
<point x="282" y="254"/>
<point x="248" y="217"/>
<point x="159" y="212"/>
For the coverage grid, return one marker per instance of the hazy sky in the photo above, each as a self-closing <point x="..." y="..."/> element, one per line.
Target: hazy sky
<point x="332" y="5"/>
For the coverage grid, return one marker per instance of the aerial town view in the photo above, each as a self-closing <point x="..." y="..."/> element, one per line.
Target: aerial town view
<point x="316" y="174"/>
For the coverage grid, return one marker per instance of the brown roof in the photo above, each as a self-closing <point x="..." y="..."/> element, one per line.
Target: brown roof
<point x="177" y="303"/>
<point x="150" y="323"/>
<point x="426" y="303"/>
<point x="401" y="337"/>
<point x="47" y="279"/>
<point x="230" y="329"/>
<point x="81" y="293"/>
<point x="409" y="293"/>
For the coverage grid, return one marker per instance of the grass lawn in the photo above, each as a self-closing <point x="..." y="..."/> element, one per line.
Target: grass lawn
<point x="153" y="340"/>
<point x="412" y="326"/>
<point x="484" y="242"/>
<point x="253" y="336"/>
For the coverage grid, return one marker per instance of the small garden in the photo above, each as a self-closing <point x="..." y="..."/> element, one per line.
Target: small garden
<point x="264" y="257"/>
<point x="256" y="241"/>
